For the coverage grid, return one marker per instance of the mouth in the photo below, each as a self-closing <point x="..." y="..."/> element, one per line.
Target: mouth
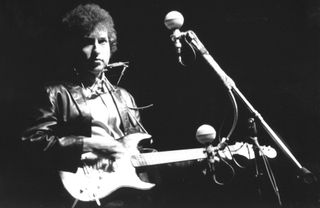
<point x="97" y="62"/>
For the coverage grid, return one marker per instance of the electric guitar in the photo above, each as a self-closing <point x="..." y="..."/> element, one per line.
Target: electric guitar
<point x="96" y="181"/>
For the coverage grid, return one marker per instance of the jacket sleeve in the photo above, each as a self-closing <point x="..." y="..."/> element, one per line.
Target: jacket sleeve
<point x="41" y="135"/>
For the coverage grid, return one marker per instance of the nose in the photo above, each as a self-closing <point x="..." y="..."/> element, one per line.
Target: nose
<point x="96" y="47"/>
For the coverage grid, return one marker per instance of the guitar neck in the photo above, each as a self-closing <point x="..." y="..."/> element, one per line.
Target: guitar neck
<point x="157" y="158"/>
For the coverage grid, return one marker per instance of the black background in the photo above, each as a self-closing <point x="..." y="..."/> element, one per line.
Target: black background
<point x="269" y="48"/>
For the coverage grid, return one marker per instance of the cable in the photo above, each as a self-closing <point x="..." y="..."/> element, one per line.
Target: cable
<point x="271" y="178"/>
<point x="235" y="113"/>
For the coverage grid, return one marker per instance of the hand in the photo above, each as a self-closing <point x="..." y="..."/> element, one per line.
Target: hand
<point x="98" y="162"/>
<point x="104" y="146"/>
<point x="131" y="140"/>
<point x="108" y="146"/>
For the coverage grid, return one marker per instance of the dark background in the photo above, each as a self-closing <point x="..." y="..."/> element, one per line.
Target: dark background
<point x="269" y="47"/>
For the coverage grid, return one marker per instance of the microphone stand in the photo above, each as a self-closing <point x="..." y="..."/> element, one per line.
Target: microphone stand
<point x="192" y="38"/>
<point x="253" y="135"/>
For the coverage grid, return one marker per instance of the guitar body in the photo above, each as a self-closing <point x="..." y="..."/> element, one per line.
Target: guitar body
<point x="93" y="182"/>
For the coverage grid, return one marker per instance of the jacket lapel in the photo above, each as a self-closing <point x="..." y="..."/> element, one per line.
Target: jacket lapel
<point x="78" y="98"/>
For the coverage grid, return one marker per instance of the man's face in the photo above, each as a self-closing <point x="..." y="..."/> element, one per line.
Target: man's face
<point x="94" y="51"/>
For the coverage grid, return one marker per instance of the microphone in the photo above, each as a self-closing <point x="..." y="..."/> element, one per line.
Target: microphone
<point x="205" y="134"/>
<point x="174" y="21"/>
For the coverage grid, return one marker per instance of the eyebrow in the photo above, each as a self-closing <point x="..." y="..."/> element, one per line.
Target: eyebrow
<point x="91" y="39"/>
<point x="103" y="38"/>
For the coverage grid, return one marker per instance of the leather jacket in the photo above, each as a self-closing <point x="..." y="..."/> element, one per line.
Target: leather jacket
<point x="62" y="118"/>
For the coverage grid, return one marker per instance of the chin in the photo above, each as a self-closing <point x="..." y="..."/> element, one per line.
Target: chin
<point x="96" y="73"/>
<point x="98" y="69"/>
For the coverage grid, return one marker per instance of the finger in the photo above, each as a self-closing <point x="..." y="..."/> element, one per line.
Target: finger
<point x="138" y="136"/>
<point x="144" y="135"/>
<point x="89" y="156"/>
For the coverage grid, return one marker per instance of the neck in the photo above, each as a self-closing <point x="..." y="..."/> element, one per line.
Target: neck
<point x="89" y="79"/>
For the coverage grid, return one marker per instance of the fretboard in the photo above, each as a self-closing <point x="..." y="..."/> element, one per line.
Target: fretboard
<point x="157" y="158"/>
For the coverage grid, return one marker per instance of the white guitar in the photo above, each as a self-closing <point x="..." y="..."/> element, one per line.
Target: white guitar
<point x="94" y="182"/>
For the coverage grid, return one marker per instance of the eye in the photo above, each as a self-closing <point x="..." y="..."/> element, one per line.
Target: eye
<point x="86" y="42"/>
<point x="103" y="41"/>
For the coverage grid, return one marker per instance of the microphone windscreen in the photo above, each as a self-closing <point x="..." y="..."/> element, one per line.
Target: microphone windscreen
<point x="173" y="20"/>
<point x="205" y="134"/>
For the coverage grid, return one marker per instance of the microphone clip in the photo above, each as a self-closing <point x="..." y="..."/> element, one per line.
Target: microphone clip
<point x="212" y="151"/>
<point x="177" y="35"/>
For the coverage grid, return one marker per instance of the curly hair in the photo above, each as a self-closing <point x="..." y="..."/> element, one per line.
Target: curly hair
<point x="84" y="18"/>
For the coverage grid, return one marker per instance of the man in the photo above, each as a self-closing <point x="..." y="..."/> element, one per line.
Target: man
<point x="83" y="120"/>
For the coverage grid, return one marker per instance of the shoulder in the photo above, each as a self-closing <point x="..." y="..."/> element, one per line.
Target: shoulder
<point x="56" y="92"/>
<point x="125" y="95"/>
<point x="123" y="92"/>
<point x="59" y="87"/>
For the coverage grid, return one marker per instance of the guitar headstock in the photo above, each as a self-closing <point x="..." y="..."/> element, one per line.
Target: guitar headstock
<point x="246" y="150"/>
